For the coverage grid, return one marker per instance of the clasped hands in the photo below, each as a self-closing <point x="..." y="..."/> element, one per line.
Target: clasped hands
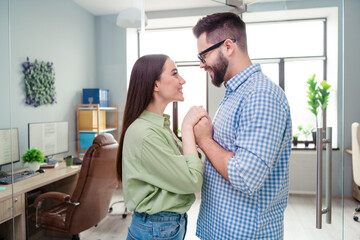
<point x="198" y="119"/>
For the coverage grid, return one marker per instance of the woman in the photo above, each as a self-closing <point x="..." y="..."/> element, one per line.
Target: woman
<point x="160" y="174"/>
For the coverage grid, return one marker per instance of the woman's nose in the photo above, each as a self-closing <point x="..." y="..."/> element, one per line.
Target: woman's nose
<point x="182" y="81"/>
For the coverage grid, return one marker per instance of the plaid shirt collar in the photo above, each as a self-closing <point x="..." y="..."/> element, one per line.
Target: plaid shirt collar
<point x="241" y="77"/>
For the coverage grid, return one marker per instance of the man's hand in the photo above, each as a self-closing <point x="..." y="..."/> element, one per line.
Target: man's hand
<point x="218" y="156"/>
<point x="203" y="130"/>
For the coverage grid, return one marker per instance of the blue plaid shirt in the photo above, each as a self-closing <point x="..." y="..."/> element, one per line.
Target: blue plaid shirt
<point x="253" y="121"/>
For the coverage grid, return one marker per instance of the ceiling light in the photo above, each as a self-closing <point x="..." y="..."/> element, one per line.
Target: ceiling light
<point x="238" y="5"/>
<point x="130" y="18"/>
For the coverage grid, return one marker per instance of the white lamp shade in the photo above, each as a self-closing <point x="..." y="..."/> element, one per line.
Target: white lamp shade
<point x="130" y="18"/>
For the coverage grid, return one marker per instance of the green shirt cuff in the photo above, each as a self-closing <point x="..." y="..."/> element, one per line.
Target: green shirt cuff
<point x="194" y="162"/>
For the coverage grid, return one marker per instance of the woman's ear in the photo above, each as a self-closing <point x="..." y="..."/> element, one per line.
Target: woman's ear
<point x="156" y="86"/>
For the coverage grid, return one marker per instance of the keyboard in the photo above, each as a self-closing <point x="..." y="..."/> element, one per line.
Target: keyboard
<point x="77" y="161"/>
<point x="17" y="177"/>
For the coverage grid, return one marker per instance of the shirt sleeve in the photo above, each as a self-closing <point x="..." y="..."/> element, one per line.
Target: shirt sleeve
<point x="259" y="137"/>
<point x="181" y="174"/>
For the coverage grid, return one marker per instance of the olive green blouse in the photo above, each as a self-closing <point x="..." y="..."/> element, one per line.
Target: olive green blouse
<point x="156" y="175"/>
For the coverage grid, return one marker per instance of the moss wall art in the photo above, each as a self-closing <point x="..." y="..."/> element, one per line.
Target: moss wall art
<point x="39" y="78"/>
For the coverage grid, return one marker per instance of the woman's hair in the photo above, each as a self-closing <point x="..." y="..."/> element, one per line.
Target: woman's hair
<point x="145" y="72"/>
<point x="220" y="26"/>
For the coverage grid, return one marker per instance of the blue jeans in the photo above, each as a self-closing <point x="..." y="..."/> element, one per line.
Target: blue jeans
<point x="162" y="225"/>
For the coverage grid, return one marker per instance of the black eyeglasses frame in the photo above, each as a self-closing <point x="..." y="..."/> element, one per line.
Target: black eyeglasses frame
<point x="216" y="45"/>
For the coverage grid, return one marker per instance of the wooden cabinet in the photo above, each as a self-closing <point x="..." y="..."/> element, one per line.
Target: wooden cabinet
<point x="15" y="201"/>
<point x="6" y="214"/>
<point x="6" y="207"/>
<point x="91" y="120"/>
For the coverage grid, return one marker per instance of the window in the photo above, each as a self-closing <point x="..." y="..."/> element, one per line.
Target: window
<point x="180" y="45"/>
<point x="289" y="51"/>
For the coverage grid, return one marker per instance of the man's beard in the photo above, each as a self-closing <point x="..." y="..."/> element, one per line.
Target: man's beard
<point x="219" y="70"/>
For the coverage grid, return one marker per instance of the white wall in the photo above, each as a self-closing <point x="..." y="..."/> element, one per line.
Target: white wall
<point x="111" y="60"/>
<point x="57" y="31"/>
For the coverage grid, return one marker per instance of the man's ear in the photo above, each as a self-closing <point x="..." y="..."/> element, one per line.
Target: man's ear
<point x="230" y="47"/>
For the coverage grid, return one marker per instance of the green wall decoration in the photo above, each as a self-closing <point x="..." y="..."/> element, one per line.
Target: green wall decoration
<point x="39" y="77"/>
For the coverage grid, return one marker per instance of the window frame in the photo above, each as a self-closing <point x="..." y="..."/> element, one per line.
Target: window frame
<point x="282" y="60"/>
<point x="175" y="119"/>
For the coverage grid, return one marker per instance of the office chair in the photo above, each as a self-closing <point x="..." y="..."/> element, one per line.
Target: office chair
<point x="89" y="203"/>
<point x="355" y="142"/>
<point x="124" y="214"/>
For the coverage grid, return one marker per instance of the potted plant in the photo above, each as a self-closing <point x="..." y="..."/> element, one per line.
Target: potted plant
<point x="323" y="95"/>
<point x="296" y="135"/>
<point x="312" y="95"/>
<point x="295" y="140"/>
<point x="32" y="158"/>
<point x="317" y="97"/>
<point x="306" y="131"/>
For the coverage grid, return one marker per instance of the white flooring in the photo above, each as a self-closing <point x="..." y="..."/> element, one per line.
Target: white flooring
<point x="299" y="221"/>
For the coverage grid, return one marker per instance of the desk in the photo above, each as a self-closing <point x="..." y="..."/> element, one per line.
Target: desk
<point x="51" y="177"/>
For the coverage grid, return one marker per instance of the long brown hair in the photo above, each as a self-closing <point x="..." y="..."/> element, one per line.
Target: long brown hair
<point x="145" y="72"/>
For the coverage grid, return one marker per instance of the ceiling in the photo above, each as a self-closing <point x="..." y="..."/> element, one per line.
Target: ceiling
<point x="106" y="7"/>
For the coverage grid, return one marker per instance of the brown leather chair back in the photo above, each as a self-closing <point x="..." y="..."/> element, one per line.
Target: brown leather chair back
<point x="96" y="184"/>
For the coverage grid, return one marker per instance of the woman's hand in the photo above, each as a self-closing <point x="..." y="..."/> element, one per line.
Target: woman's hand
<point x="193" y="116"/>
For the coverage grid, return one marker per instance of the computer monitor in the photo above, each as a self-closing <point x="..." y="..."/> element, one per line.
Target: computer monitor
<point x="9" y="146"/>
<point x="49" y="137"/>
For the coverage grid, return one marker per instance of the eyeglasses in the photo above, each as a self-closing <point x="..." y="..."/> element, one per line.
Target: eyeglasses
<point x="200" y="55"/>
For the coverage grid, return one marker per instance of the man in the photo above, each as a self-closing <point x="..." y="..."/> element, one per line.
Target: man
<point x="246" y="178"/>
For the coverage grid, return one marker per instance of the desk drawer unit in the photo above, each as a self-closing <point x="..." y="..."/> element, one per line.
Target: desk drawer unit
<point x="6" y="207"/>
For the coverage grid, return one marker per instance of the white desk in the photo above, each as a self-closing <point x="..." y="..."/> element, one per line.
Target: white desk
<point x="51" y="176"/>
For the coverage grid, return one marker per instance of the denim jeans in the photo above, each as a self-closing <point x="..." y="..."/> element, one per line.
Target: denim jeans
<point x="162" y="225"/>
